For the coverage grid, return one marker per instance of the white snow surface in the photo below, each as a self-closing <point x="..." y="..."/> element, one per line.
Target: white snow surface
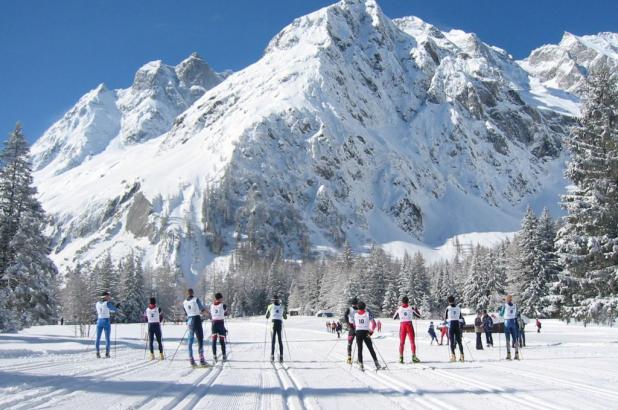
<point x="351" y="127"/>
<point x="563" y="367"/>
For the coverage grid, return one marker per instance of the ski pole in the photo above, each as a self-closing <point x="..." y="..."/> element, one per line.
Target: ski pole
<point x="332" y="348"/>
<point x="115" y="337"/>
<point x="375" y="346"/>
<point x="265" y="340"/>
<point x="179" y="344"/>
<point x="467" y="343"/>
<point x="287" y="344"/>
<point x="499" y="344"/>
<point x="352" y="357"/>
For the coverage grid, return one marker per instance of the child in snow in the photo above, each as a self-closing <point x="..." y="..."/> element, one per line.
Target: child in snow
<point x="443" y="332"/>
<point x="379" y="323"/>
<point x="348" y="319"/>
<point x="509" y="312"/>
<point x="194" y="309"/>
<point x="406" y="313"/>
<point x="538" y="325"/>
<point x="218" y="311"/>
<point x="364" y="324"/>
<point x="104" y="309"/>
<point x="155" y="318"/>
<point x="478" y="329"/>
<point x="488" y="327"/>
<point x="278" y="313"/>
<point x="432" y="333"/>
<point x="453" y="317"/>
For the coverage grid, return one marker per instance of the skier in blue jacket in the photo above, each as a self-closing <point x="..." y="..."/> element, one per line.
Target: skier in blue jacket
<point x="104" y="308"/>
<point x="509" y="312"/>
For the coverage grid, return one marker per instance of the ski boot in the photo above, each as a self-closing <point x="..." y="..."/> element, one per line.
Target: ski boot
<point x="161" y="356"/>
<point x="508" y="356"/>
<point x="224" y="358"/>
<point x="272" y="358"/>
<point x="152" y="356"/>
<point x="203" y="361"/>
<point x="107" y="356"/>
<point x="415" y="359"/>
<point x="453" y="358"/>
<point x="401" y="359"/>
<point x="349" y="360"/>
<point x="98" y="355"/>
<point x="280" y="358"/>
<point x="192" y="362"/>
<point x="461" y="357"/>
<point x="214" y="358"/>
<point x="378" y="366"/>
<point x="361" y="367"/>
<point x="516" y="355"/>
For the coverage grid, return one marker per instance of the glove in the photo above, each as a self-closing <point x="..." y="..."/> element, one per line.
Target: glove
<point x="118" y="305"/>
<point x="370" y="333"/>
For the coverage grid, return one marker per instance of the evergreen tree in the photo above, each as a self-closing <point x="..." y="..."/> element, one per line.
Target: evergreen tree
<point x="531" y="288"/>
<point x="588" y="241"/>
<point x="76" y="303"/>
<point x="475" y="293"/>
<point x="132" y="294"/>
<point x="28" y="278"/>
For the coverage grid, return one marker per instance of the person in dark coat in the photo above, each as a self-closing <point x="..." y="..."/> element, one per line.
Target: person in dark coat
<point x="478" y="329"/>
<point x="488" y="327"/>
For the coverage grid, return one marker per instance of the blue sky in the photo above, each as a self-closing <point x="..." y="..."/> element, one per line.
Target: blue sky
<point x="52" y="52"/>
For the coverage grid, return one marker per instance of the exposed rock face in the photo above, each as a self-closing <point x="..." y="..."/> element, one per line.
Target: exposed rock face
<point x="352" y="127"/>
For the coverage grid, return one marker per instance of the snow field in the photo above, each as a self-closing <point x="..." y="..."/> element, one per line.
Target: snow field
<point x="565" y="366"/>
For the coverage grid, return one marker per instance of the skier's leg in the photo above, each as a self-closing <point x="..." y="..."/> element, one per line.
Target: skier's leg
<point x="272" y="340"/>
<point x="370" y="347"/>
<point x="279" y="339"/>
<point x="360" y="335"/>
<point x="97" y="342"/>
<point x="213" y="342"/>
<point x="411" y="337"/>
<point x="159" y="336"/>
<point x="402" y="338"/>
<point x="199" y="333"/>
<point x="507" y="336"/>
<point x="350" y="341"/>
<point x="222" y="342"/>
<point x="108" y="340"/>
<point x="451" y="338"/>
<point x="458" y="337"/>
<point x="190" y="341"/>
<point x="151" y="334"/>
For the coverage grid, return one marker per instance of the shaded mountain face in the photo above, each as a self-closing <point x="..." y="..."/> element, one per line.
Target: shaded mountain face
<point x="351" y="127"/>
<point x="566" y="65"/>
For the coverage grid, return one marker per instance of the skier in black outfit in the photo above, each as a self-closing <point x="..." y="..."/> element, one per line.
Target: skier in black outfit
<point x="364" y="324"/>
<point x="348" y="320"/>
<point x="278" y="313"/>
<point x="154" y="315"/>
<point x="453" y="316"/>
<point x="488" y="326"/>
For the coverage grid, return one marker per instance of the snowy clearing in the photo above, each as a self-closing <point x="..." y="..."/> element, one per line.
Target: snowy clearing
<point x="565" y="366"/>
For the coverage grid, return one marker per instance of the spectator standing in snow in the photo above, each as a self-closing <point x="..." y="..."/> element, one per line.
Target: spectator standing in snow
<point x="432" y="333"/>
<point x="443" y="332"/>
<point x="478" y="329"/>
<point x="538" y="325"/>
<point x="488" y="326"/>
<point x="521" y="327"/>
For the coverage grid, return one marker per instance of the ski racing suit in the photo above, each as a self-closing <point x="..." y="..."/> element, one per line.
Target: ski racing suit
<point x="452" y="316"/>
<point x="406" y="313"/>
<point x="194" y="308"/>
<point x="104" y="310"/>
<point x="364" y="325"/>
<point x="155" y="317"/>
<point x="217" y="315"/>
<point x="278" y="313"/>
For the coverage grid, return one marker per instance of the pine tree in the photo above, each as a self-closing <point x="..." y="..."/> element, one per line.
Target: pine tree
<point x="475" y="293"/>
<point x="588" y="241"/>
<point x="28" y="278"/>
<point x="132" y="294"/>
<point x="76" y="303"/>
<point x="528" y="271"/>
<point x="549" y="265"/>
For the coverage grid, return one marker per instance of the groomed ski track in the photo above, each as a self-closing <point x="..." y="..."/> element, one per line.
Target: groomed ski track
<point x="566" y="366"/>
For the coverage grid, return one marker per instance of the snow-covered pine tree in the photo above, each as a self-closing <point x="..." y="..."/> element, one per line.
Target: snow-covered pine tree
<point x="374" y="279"/>
<point x="28" y="278"/>
<point x="475" y="292"/>
<point x="389" y="305"/>
<point x="420" y="296"/>
<point x="132" y="294"/>
<point x="527" y="273"/>
<point x="76" y="303"/>
<point x="588" y="241"/>
<point x="549" y="265"/>
<point x="406" y="277"/>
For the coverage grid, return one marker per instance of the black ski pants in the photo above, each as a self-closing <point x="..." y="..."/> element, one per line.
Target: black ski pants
<point x="363" y="336"/>
<point x="154" y="330"/>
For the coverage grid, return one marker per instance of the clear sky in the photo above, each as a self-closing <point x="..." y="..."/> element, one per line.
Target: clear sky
<point x="52" y="52"/>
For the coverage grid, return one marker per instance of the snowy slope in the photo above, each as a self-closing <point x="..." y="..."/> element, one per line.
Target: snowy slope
<point x="564" y="66"/>
<point x="352" y="127"/>
<point x="564" y="367"/>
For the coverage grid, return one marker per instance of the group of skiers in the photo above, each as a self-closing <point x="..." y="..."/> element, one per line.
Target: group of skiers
<point x="357" y="319"/>
<point x="334" y="327"/>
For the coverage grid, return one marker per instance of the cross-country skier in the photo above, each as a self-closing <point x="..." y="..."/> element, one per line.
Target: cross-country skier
<point x="276" y="310"/>
<point x="154" y="315"/>
<point x="348" y="320"/>
<point x="488" y="327"/>
<point x="509" y="312"/>
<point x="432" y="333"/>
<point x="453" y="316"/>
<point x="364" y="324"/>
<point x="194" y="309"/>
<point x="443" y="332"/>
<point x="104" y="309"/>
<point x="406" y="313"/>
<point x="218" y="311"/>
<point x="339" y="328"/>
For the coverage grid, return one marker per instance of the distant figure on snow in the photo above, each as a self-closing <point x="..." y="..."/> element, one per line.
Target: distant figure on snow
<point x="104" y="309"/>
<point x="488" y="327"/>
<point x="432" y="333"/>
<point x="406" y="313"/>
<point x="277" y="312"/>
<point x="154" y="316"/>
<point x="509" y="312"/>
<point x="218" y="311"/>
<point x="453" y="317"/>
<point x="478" y="329"/>
<point x="194" y="308"/>
<point x="538" y="325"/>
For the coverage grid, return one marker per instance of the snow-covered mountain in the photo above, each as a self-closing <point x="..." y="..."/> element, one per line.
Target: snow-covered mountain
<point x="351" y="127"/>
<point x="565" y="66"/>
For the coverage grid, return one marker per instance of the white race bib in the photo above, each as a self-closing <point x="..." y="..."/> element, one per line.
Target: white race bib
<point x="217" y="312"/>
<point x="191" y="307"/>
<point x="361" y="322"/>
<point x="453" y="313"/>
<point x="153" y="315"/>
<point x="405" y="314"/>
<point x="510" y="312"/>
<point x="277" y="312"/>
<point x="102" y="310"/>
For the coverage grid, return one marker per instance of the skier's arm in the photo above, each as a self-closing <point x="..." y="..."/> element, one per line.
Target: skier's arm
<point x="446" y="315"/>
<point x="396" y="315"/>
<point x="501" y="311"/>
<point x="225" y="311"/>
<point x="111" y="307"/>
<point x="416" y="312"/>
<point x="285" y="313"/>
<point x="200" y="305"/>
<point x="160" y="316"/>
<point x="268" y="309"/>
